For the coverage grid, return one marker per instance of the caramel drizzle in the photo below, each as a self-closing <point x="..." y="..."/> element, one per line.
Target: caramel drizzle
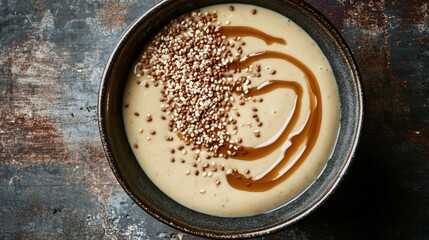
<point x="298" y="144"/>
<point x="241" y="31"/>
<point x="301" y="143"/>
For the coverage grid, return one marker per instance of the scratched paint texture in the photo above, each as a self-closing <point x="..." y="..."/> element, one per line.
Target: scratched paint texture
<point x="55" y="182"/>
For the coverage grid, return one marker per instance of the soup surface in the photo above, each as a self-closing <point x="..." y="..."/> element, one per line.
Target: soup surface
<point x="232" y="110"/>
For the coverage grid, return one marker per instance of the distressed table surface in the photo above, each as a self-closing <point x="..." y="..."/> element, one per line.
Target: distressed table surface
<point x="55" y="181"/>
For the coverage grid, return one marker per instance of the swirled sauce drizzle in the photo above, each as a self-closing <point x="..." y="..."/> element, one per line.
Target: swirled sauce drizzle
<point x="295" y="146"/>
<point x="243" y="31"/>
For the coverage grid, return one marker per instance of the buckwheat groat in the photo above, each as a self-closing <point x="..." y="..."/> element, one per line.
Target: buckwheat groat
<point x="230" y="114"/>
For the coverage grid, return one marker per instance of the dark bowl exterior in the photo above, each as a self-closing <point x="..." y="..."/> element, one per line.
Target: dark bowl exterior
<point x="139" y="187"/>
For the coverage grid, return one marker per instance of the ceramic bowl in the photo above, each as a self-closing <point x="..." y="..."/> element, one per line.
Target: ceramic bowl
<point x="138" y="186"/>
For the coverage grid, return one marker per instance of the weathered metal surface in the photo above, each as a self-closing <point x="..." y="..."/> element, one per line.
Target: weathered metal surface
<point x="56" y="183"/>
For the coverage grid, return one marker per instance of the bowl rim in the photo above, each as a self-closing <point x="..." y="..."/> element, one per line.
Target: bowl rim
<point x="107" y="146"/>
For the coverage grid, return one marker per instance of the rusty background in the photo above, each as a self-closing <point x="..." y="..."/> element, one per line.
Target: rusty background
<point x="55" y="182"/>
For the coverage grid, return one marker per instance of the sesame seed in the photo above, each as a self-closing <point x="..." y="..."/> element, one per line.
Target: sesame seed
<point x="152" y="132"/>
<point x="254" y="11"/>
<point x="257" y="133"/>
<point x="136" y="114"/>
<point x="202" y="191"/>
<point x="136" y="145"/>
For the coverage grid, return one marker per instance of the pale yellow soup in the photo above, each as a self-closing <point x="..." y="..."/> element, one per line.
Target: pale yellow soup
<point x="210" y="192"/>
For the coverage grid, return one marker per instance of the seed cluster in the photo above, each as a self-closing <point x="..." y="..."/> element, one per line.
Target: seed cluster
<point x="196" y="67"/>
<point x="197" y="70"/>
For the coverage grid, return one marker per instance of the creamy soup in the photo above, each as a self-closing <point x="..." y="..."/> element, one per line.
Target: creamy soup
<point x="232" y="110"/>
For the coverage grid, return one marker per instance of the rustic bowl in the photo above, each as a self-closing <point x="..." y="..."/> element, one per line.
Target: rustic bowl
<point x="156" y="203"/>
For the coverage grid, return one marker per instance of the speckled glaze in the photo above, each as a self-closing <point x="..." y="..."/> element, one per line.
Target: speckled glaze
<point x="151" y="199"/>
